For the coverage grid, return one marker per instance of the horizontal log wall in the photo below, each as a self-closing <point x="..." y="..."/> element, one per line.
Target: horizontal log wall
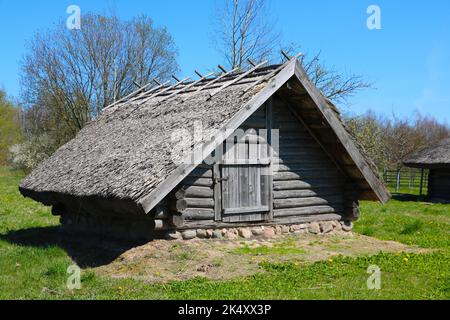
<point x="198" y="188"/>
<point x="439" y="184"/>
<point x="197" y="192"/>
<point x="307" y="181"/>
<point x="307" y="185"/>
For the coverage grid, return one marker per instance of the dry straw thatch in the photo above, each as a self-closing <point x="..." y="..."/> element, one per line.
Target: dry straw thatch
<point x="126" y="152"/>
<point x="434" y="156"/>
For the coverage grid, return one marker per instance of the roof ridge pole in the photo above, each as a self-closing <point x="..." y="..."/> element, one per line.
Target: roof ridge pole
<point x="251" y="62"/>
<point x="165" y="90"/>
<point x="222" y="69"/>
<point x="286" y="56"/>
<point x="242" y="76"/>
<point x="273" y="73"/>
<point x="225" y="74"/>
<point x="128" y="96"/>
<point x="187" y="87"/>
<point x="160" y="85"/>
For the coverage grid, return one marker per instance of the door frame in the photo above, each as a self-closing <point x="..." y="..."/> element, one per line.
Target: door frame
<point x="217" y="170"/>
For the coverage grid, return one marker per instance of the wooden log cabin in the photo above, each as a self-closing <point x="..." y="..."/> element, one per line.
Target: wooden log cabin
<point x="273" y="151"/>
<point x="436" y="159"/>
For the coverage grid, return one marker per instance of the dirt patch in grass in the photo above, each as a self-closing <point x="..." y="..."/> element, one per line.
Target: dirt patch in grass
<point x="164" y="261"/>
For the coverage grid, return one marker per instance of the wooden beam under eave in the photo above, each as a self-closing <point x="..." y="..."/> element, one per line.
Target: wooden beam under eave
<point x="347" y="142"/>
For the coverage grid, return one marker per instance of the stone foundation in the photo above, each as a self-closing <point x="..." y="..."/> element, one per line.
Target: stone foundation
<point x="324" y="227"/>
<point x="142" y="229"/>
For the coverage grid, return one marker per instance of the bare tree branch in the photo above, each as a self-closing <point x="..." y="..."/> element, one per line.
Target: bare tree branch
<point x="71" y="74"/>
<point x="243" y="31"/>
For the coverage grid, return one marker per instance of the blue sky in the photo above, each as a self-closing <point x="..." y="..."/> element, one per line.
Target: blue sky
<point x="408" y="60"/>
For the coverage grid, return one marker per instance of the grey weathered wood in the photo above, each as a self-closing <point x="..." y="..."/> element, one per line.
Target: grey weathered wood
<point x="201" y="172"/>
<point x="344" y="138"/>
<point x="187" y="87"/>
<point x="178" y="205"/>
<point x="421" y="181"/>
<point x="295" y="143"/>
<point x="270" y="75"/>
<point x="149" y="201"/>
<point x="304" y="193"/>
<point x="302" y="156"/>
<point x="305" y="174"/>
<point x="158" y="93"/>
<point x="332" y="216"/>
<point x="245" y="218"/>
<point x="244" y="210"/>
<point x="299" y="184"/>
<point x="247" y="162"/>
<point x="306" y="211"/>
<point x="296" y="219"/>
<point x="198" y="214"/>
<point x="299" y="166"/>
<point x="200" y="202"/>
<point x="198" y="182"/>
<point x="307" y="202"/>
<point x="179" y="194"/>
<point x="243" y="166"/>
<point x="175" y="220"/>
<point x="236" y="80"/>
<point x="217" y="193"/>
<point x="243" y="186"/>
<point x="130" y="95"/>
<point x="314" y="136"/>
<point x="210" y="83"/>
<point x="179" y="82"/>
<point x="195" y="192"/>
<point x="151" y="91"/>
<point x="257" y="118"/>
<point x="270" y="177"/>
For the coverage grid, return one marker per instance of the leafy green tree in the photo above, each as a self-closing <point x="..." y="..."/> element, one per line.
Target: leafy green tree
<point x="10" y="132"/>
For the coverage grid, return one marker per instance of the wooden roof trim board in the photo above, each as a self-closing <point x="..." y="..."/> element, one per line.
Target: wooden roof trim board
<point x="270" y="75"/>
<point x="149" y="201"/>
<point x="343" y="136"/>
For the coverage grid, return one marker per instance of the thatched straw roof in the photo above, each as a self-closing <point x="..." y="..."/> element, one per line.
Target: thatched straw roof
<point x="431" y="157"/>
<point x="126" y="154"/>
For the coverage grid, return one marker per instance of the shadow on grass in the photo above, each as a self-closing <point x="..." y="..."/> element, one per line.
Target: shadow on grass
<point x="86" y="250"/>
<point x="405" y="197"/>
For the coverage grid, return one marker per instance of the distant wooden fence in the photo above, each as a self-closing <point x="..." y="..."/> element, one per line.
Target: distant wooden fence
<point x="406" y="178"/>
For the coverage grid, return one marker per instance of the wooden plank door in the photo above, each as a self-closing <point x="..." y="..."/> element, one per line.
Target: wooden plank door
<point x="246" y="182"/>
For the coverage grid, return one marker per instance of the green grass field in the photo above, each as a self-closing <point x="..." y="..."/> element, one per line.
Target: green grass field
<point x="38" y="271"/>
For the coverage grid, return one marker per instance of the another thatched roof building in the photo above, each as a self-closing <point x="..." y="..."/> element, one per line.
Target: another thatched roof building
<point x="437" y="159"/>
<point x="120" y="169"/>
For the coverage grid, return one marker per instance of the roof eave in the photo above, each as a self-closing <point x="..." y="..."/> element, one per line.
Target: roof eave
<point x="320" y="101"/>
<point x="149" y="201"/>
<point x="421" y="165"/>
